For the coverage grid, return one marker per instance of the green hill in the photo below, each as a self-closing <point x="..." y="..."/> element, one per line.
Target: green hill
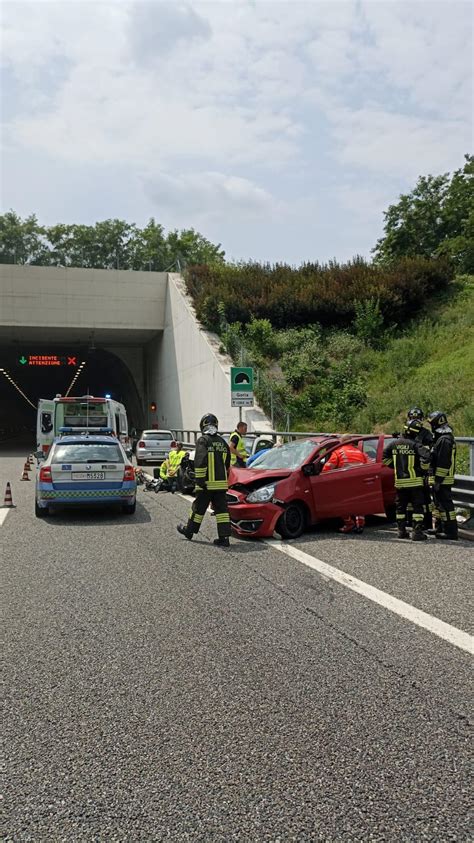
<point x="431" y="365"/>
<point x="317" y="378"/>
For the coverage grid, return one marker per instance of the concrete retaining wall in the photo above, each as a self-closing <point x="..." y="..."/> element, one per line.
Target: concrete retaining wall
<point x="187" y="372"/>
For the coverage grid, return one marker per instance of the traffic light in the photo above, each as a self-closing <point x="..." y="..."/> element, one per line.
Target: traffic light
<point x="153" y="407"/>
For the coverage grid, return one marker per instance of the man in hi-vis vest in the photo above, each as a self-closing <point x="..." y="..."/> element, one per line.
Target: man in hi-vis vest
<point x="238" y="453"/>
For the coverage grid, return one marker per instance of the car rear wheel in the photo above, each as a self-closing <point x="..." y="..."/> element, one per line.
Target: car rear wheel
<point x="129" y="508"/>
<point x="40" y="512"/>
<point x="291" y="523"/>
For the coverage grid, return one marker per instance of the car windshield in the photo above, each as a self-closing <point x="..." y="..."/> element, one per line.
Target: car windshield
<point x="81" y="414"/>
<point x="87" y="452"/>
<point x="157" y="436"/>
<point x="289" y="456"/>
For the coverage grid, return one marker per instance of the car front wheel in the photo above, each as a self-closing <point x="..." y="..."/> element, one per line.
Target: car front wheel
<point x="291" y="523"/>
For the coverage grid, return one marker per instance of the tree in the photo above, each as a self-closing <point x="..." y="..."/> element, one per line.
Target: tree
<point x="189" y="247"/>
<point x="22" y="241"/>
<point x="148" y="249"/>
<point x="110" y="244"/>
<point x="436" y="218"/>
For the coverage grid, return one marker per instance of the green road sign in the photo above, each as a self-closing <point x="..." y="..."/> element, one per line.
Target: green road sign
<point x="23" y="360"/>
<point x="241" y="379"/>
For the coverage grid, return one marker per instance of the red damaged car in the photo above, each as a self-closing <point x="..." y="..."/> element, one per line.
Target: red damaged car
<point x="286" y="490"/>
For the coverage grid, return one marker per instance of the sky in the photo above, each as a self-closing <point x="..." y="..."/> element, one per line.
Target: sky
<point x="281" y="130"/>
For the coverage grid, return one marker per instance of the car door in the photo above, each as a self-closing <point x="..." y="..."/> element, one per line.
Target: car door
<point x="45" y="424"/>
<point x="352" y="490"/>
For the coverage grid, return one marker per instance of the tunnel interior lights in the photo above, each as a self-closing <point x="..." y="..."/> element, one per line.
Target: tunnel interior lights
<point x="79" y="372"/>
<point x="13" y="383"/>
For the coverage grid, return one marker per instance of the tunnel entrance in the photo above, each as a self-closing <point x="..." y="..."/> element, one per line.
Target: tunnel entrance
<point x="40" y="371"/>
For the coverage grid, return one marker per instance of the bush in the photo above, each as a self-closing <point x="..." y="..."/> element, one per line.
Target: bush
<point x="334" y="295"/>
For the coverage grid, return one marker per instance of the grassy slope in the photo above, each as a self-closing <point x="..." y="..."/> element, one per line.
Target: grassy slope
<point x="431" y="366"/>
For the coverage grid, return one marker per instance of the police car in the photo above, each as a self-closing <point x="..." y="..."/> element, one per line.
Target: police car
<point x="85" y="469"/>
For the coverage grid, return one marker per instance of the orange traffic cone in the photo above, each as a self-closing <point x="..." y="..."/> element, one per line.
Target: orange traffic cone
<point x="8" y="501"/>
<point x="31" y="459"/>
<point x="25" y="475"/>
<point x="27" y="466"/>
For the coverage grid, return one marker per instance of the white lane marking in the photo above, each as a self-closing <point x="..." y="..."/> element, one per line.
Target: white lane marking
<point x="443" y="630"/>
<point x="3" y="514"/>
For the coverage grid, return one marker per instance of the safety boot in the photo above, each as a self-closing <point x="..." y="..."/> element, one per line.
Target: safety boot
<point x="222" y="541"/>
<point x="418" y="534"/>
<point x="181" y="528"/>
<point x="402" y="529"/>
<point x="451" y="531"/>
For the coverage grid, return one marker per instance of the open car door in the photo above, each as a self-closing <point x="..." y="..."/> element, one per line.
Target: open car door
<point x="45" y="424"/>
<point x="355" y="489"/>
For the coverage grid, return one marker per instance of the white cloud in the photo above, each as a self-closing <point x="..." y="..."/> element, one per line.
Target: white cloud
<point x="207" y="196"/>
<point x="251" y="105"/>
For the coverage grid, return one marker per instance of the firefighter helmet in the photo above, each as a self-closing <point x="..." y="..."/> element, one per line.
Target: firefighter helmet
<point x="415" y="413"/>
<point x="437" y="419"/>
<point x="209" y="420"/>
<point x="412" y="428"/>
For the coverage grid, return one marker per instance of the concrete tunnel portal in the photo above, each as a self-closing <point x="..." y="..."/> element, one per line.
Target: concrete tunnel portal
<point x="103" y="373"/>
<point x="137" y="333"/>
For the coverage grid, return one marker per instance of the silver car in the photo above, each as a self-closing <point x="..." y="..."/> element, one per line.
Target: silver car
<point x="153" y="446"/>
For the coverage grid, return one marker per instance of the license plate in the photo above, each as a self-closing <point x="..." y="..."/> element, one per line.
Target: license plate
<point x="88" y="475"/>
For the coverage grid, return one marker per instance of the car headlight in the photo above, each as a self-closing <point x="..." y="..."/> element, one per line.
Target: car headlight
<point x="262" y="495"/>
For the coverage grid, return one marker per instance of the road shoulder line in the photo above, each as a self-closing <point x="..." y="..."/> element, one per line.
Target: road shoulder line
<point x="405" y="610"/>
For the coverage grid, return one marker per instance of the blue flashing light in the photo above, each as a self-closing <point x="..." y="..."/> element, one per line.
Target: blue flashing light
<point x="107" y="395"/>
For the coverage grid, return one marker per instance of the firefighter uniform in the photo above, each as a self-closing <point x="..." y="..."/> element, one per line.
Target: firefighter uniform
<point x="410" y="461"/>
<point x="211" y="466"/>
<point x="443" y="468"/>
<point x="425" y="437"/>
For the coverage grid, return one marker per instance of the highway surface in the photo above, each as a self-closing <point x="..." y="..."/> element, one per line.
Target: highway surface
<point x="159" y="689"/>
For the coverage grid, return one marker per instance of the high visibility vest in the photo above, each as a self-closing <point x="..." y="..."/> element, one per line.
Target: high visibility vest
<point x="241" y="452"/>
<point x="164" y="470"/>
<point x="343" y="456"/>
<point x="174" y="460"/>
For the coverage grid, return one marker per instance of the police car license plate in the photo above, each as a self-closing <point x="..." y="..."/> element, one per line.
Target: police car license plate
<point x="88" y="475"/>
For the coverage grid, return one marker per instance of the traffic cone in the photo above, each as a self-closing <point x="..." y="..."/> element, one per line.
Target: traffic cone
<point x="31" y="459"/>
<point x="8" y="501"/>
<point x="25" y="475"/>
<point x="27" y="466"/>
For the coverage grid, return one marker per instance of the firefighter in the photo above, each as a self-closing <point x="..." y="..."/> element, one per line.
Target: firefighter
<point x="443" y="467"/>
<point x="410" y="461"/>
<point x="345" y="455"/>
<point x="211" y="467"/>
<point x="238" y="452"/>
<point x="425" y="438"/>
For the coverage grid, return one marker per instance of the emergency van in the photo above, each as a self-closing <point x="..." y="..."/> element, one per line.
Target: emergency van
<point x="79" y="414"/>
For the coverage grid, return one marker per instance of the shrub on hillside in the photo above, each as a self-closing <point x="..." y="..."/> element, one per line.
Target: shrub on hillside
<point x="329" y="294"/>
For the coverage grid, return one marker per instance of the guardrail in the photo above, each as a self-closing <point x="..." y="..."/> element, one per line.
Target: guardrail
<point x="298" y="434"/>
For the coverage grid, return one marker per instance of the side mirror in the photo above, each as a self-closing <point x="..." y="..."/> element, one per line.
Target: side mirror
<point x="308" y="470"/>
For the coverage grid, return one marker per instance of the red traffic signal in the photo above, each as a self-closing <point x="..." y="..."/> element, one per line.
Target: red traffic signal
<point x="153" y="407"/>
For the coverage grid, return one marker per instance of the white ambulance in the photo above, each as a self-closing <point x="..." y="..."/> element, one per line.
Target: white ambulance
<point x="79" y="414"/>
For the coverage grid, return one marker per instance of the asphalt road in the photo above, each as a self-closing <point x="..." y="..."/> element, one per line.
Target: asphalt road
<point x="159" y="689"/>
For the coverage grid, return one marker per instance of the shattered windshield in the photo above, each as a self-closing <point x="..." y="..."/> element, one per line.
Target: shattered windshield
<point x="288" y="456"/>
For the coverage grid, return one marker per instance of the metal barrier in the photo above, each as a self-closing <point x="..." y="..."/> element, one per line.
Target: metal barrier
<point x="191" y="435"/>
<point x="463" y="489"/>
